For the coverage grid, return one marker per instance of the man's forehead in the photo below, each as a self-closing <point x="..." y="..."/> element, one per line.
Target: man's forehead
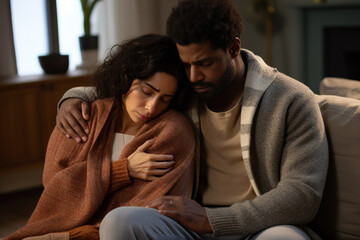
<point x="195" y="52"/>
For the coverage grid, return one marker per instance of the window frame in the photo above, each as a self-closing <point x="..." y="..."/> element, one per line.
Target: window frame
<point x="8" y="64"/>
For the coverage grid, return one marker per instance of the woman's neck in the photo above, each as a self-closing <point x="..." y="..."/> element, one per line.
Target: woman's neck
<point x="126" y="125"/>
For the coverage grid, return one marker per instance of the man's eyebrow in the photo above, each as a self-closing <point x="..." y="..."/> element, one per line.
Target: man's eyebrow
<point x="157" y="90"/>
<point x="201" y="61"/>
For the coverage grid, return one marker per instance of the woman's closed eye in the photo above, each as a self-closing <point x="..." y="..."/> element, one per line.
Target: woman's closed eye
<point x="146" y="90"/>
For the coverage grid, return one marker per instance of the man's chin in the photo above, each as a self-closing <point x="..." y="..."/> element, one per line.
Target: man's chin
<point x="204" y="96"/>
<point x="204" y="93"/>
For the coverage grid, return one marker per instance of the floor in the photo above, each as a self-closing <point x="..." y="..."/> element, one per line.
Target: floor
<point x="16" y="208"/>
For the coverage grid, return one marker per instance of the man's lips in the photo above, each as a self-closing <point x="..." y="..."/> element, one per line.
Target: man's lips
<point x="201" y="88"/>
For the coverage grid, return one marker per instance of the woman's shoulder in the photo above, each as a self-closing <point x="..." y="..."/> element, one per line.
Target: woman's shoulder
<point x="171" y="120"/>
<point x="172" y="117"/>
<point x="102" y="106"/>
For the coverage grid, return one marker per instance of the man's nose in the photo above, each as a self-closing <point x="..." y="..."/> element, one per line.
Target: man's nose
<point x="195" y="74"/>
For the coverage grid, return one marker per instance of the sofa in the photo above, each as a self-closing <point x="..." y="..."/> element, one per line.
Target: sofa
<point x="339" y="213"/>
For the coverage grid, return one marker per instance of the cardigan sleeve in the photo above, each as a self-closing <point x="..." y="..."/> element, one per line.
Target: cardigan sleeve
<point x="119" y="174"/>
<point x="87" y="94"/>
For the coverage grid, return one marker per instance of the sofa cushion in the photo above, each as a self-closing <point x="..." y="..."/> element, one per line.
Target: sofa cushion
<point x="341" y="87"/>
<point x="339" y="213"/>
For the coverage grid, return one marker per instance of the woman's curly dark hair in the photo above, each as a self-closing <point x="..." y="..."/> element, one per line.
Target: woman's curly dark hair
<point x="194" y="21"/>
<point x="140" y="58"/>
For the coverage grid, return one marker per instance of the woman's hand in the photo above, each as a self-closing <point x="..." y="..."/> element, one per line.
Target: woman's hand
<point x="148" y="166"/>
<point x="71" y="119"/>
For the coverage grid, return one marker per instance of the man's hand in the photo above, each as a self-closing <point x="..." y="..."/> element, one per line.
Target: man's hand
<point x="148" y="166"/>
<point x="185" y="211"/>
<point x="71" y="119"/>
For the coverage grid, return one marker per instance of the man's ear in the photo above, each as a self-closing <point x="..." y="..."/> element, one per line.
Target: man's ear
<point x="234" y="49"/>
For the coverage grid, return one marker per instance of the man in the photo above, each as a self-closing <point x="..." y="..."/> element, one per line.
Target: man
<point x="263" y="147"/>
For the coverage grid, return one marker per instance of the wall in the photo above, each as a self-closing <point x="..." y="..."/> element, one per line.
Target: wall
<point x="288" y="44"/>
<point x="129" y="18"/>
<point x="124" y="19"/>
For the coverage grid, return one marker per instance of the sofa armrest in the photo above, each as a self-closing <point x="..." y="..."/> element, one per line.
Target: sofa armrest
<point x="339" y="213"/>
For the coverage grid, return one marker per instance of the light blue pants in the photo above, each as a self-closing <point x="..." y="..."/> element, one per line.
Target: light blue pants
<point x="132" y="223"/>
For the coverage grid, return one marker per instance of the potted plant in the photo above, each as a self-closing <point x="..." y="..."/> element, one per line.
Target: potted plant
<point x="88" y="42"/>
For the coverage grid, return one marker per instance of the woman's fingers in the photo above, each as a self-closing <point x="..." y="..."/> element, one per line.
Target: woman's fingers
<point x="145" y="145"/>
<point x="162" y="164"/>
<point x="149" y="166"/>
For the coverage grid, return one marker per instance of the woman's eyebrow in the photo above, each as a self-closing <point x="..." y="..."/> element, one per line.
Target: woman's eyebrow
<point x="157" y="90"/>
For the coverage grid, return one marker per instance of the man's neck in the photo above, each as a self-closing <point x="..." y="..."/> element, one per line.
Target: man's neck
<point x="232" y="94"/>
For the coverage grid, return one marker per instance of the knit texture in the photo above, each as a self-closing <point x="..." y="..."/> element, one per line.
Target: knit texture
<point x="86" y="232"/>
<point x="81" y="185"/>
<point x="284" y="150"/>
<point x="285" y="153"/>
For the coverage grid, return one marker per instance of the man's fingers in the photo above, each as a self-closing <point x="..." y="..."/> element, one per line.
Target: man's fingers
<point x="70" y="119"/>
<point x="85" y="111"/>
<point x="70" y="131"/>
<point x="62" y="129"/>
<point x="75" y="123"/>
<point x="171" y="213"/>
<point x="162" y="202"/>
<point x="156" y="203"/>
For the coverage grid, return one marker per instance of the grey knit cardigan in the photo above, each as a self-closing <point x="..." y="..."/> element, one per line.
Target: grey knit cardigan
<point x="285" y="153"/>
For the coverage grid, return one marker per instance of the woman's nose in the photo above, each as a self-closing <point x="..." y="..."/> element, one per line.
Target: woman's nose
<point x="151" y="106"/>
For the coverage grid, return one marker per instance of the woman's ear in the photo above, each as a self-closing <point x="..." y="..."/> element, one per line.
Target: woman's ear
<point x="234" y="49"/>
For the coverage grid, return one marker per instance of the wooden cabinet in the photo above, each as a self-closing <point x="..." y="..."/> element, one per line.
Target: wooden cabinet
<point x="28" y="107"/>
<point x="19" y="126"/>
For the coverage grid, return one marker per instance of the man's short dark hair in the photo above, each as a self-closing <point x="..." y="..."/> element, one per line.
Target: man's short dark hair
<point x="195" y="21"/>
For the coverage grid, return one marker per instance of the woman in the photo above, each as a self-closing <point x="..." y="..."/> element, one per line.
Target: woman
<point x="136" y="84"/>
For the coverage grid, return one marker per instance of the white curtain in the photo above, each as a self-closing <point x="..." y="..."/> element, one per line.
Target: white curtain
<point x="123" y="19"/>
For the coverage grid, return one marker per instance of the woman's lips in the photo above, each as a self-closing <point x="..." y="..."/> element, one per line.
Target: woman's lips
<point x="143" y="117"/>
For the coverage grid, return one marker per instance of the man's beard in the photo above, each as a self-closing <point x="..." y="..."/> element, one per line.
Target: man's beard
<point x="223" y="83"/>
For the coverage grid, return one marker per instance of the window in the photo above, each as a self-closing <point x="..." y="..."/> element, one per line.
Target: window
<point x="70" y="27"/>
<point x="30" y="34"/>
<point x="33" y="35"/>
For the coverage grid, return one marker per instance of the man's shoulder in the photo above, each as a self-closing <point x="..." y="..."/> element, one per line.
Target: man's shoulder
<point x="290" y="85"/>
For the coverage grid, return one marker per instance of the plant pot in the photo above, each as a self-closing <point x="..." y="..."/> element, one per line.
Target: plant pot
<point x="88" y="42"/>
<point x="89" y="51"/>
<point x="54" y="63"/>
